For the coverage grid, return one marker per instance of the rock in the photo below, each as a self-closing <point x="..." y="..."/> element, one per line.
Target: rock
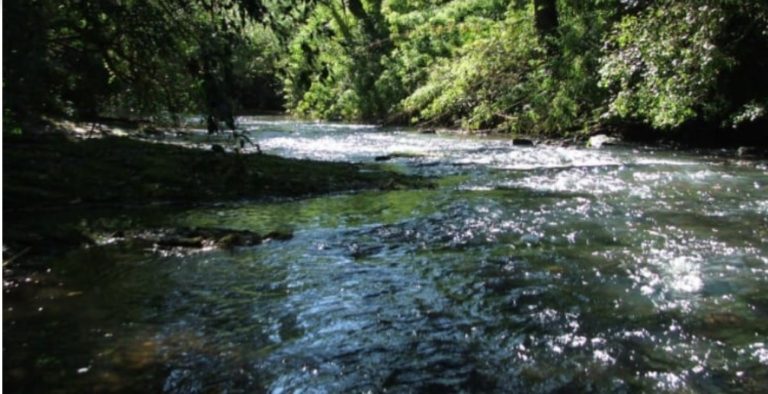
<point x="234" y="240"/>
<point x="172" y="241"/>
<point x="555" y="269"/>
<point x="720" y="319"/>
<point x="280" y="235"/>
<point x="229" y="241"/>
<point x="522" y="142"/>
<point x="360" y="251"/>
<point x="399" y="155"/>
<point x="427" y="131"/>
<point x="197" y="238"/>
<point x="747" y="151"/>
<point x="600" y="140"/>
<point x="217" y="148"/>
<point x="226" y="239"/>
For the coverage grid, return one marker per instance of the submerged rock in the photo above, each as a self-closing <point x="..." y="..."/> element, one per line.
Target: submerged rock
<point x="399" y="155"/>
<point x="232" y="240"/>
<point x="721" y="319"/>
<point x="522" y="142"/>
<point x="152" y="131"/>
<point x="180" y="241"/>
<point x="197" y="238"/>
<point x="279" y="235"/>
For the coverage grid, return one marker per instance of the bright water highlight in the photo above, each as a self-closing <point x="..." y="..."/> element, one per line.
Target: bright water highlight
<point x="527" y="269"/>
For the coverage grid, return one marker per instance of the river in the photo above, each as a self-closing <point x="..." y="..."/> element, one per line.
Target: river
<point x="526" y="269"/>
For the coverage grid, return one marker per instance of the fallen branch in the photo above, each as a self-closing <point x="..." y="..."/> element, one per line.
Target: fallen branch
<point x="16" y="256"/>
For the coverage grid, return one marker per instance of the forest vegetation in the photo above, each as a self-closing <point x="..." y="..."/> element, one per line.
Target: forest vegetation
<point x="546" y="67"/>
<point x="279" y="254"/>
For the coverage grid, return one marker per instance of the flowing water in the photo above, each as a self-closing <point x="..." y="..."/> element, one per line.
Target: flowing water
<point x="527" y="269"/>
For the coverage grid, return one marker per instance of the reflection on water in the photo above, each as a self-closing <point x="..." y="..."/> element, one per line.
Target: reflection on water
<point x="527" y="269"/>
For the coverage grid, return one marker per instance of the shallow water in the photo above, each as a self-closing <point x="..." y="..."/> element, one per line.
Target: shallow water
<point x="531" y="269"/>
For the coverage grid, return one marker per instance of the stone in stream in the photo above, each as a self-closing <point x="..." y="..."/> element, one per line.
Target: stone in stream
<point x="197" y="238"/>
<point x="279" y="235"/>
<point x="717" y="320"/>
<point x="152" y="131"/>
<point x="399" y="155"/>
<point x="600" y="140"/>
<point x="172" y="241"/>
<point x="718" y="324"/>
<point x="522" y="142"/>
<point x="358" y="251"/>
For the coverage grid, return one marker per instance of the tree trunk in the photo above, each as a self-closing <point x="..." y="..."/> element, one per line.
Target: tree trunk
<point x="356" y="8"/>
<point x="546" y="17"/>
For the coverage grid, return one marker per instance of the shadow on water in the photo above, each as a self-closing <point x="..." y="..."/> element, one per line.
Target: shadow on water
<point x="612" y="271"/>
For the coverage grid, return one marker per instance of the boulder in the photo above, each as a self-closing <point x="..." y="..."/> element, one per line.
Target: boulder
<point x="522" y="142"/>
<point x="176" y="241"/>
<point x="600" y="140"/>
<point x="279" y="235"/>
<point x="196" y="238"/>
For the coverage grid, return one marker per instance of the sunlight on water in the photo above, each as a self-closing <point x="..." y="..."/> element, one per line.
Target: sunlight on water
<point x="528" y="269"/>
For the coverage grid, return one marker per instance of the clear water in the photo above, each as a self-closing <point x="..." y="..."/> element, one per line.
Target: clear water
<point x="528" y="269"/>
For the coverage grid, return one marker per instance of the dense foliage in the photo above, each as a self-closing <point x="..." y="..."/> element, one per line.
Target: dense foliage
<point x="133" y="57"/>
<point x="528" y="66"/>
<point x="537" y="66"/>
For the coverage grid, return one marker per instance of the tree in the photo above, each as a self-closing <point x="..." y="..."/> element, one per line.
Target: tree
<point x="546" y="17"/>
<point x="681" y="62"/>
<point x="130" y="58"/>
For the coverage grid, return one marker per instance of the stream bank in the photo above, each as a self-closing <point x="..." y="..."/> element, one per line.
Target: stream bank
<point x="55" y="171"/>
<point x="525" y="269"/>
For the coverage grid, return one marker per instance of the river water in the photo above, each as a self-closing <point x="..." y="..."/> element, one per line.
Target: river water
<point x="526" y="269"/>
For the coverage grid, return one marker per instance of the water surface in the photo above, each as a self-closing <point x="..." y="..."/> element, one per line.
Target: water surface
<point x="532" y="269"/>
